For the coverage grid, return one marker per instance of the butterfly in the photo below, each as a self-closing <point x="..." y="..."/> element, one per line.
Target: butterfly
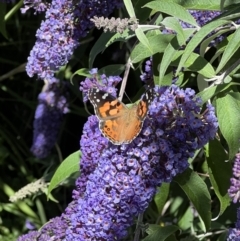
<point x="118" y="123"/>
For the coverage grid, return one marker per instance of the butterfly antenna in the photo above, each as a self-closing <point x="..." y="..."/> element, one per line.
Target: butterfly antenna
<point x="128" y="97"/>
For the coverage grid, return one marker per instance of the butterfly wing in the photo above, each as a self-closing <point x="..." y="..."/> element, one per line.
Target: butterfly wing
<point x="105" y="105"/>
<point x="110" y="112"/>
<point x="118" y="123"/>
<point x="143" y="105"/>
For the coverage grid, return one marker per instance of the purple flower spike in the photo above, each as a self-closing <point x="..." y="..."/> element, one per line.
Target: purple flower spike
<point x="127" y="176"/>
<point x="234" y="233"/>
<point x="234" y="190"/>
<point x="48" y="118"/>
<point x="31" y="236"/>
<point x="38" y="6"/>
<point x="58" y="36"/>
<point x="92" y="143"/>
<point x="147" y="74"/>
<point x="116" y="192"/>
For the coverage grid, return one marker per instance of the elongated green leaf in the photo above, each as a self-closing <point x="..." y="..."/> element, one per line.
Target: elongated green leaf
<point x="82" y="72"/>
<point x="220" y="172"/>
<point x="172" y="47"/>
<point x="157" y="233"/>
<point x="198" y="37"/>
<point x="195" y="63"/>
<point x="208" y="93"/>
<point x="201" y="5"/>
<point x="231" y="13"/>
<point x="121" y="37"/>
<point x="228" y="113"/>
<point x="223" y="236"/>
<point x="143" y="39"/>
<point x="201" y="83"/>
<point x="67" y="167"/>
<point x="173" y="24"/>
<point x="114" y="69"/>
<point x="167" y="58"/>
<point x="99" y="46"/>
<point x="141" y="13"/>
<point x="232" y="47"/>
<point x="2" y="22"/>
<point x="161" y="196"/>
<point x="158" y="44"/>
<point x="129" y="7"/>
<point x="186" y="220"/>
<point x="197" y="192"/>
<point x="205" y="44"/>
<point x="172" y="9"/>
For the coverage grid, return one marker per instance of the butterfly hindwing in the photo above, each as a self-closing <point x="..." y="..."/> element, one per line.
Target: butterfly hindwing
<point x="144" y="103"/>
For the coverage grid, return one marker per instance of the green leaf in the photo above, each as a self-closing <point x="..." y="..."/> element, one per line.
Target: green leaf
<point x="2" y="22"/>
<point x="143" y="39"/>
<point x="200" y="5"/>
<point x="197" y="192"/>
<point x="141" y="13"/>
<point x="66" y="168"/>
<point x="212" y="91"/>
<point x="123" y="37"/>
<point x="158" y="44"/>
<point x="197" y="38"/>
<point x="173" y="24"/>
<point x="186" y="220"/>
<point x="220" y="172"/>
<point x="114" y="69"/>
<point x="205" y="44"/>
<point x="232" y="12"/>
<point x="129" y="7"/>
<point x="223" y="236"/>
<point x="99" y="46"/>
<point x="228" y="113"/>
<point x="161" y="196"/>
<point x="195" y="63"/>
<point x="231" y="48"/>
<point x="172" y="47"/>
<point x="82" y="72"/>
<point x="172" y="9"/>
<point x="157" y="233"/>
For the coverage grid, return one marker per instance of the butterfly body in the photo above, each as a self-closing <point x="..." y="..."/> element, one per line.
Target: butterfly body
<point x="117" y="122"/>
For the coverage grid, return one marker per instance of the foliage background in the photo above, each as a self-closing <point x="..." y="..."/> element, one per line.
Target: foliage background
<point x="18" y="100"/>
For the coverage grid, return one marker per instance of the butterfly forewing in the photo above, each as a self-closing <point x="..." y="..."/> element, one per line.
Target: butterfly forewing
<point x="105" y="105"/>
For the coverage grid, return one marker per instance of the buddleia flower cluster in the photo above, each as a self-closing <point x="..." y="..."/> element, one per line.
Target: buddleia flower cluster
<point x="234" y="193"/>
<point x="38" y="6"/>
<point x="52" y="105"/>
<point x="234" y="233"/>
<point x="53" y="230"/>
<point x="58" y="36"/>
<point x="201" y="17"/>
<point x="147" y="74"/>
<point x="234" y="190"/>
<point x="102" y="82"/>
<point x="115" y="25"/>
<point x="127" y="176"/>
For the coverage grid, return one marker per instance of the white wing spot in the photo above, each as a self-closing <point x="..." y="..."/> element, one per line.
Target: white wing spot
<point x="104" y="96"/>
<point x="98" y="100"/>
